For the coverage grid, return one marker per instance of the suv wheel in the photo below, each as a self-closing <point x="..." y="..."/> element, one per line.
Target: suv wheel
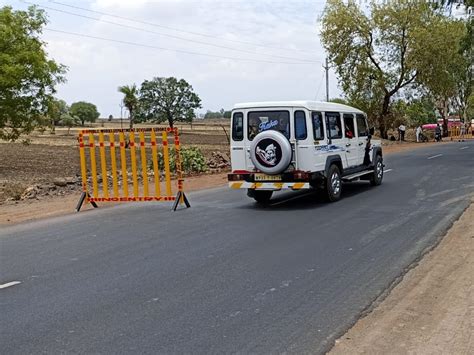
<point x="333" y="184"/>
<point x="377" y="175"/>
<point x="261" y="196"/>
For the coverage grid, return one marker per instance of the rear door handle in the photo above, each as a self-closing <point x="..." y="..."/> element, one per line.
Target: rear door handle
<point x="348" y="145"/>
<point x="361" y="143"/>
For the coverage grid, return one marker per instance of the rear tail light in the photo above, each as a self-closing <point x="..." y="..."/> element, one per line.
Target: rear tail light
<point x="241" y="172"/>
<point x="300" y="175"/>
<point x="236" y="177"/>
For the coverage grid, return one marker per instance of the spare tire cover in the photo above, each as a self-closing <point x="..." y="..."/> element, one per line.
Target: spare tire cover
<point x="270" y="152"/>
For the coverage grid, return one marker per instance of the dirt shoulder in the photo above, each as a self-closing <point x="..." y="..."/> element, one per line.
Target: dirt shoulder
<point x="431" y="311"/>
<point x="24" y="166"/>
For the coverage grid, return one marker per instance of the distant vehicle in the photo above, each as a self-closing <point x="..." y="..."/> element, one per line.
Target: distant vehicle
<point x="301" y="145"/>
<point x="451" y="123"/>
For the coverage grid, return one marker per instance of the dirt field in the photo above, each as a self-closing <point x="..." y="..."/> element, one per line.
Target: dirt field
<point x="22" y="166"/>
<point x="431" y="311"/>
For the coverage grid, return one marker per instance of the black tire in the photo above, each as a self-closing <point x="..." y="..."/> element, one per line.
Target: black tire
<point x="377" y="176"/>
<point x="333" y="188"/>
<point x="260" y="196"/>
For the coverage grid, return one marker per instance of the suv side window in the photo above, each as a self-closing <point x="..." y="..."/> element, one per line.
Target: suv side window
<point x="318" y="127"/>
<point x="362" y="128"/>
<point x="238" y="126"/>
<point x="334" y="124"/>
<point x="300" y="125"/>
<point x="349" y="130"/>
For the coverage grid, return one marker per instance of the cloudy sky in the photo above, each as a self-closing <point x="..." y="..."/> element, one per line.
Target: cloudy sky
<point x="229" y="50"/>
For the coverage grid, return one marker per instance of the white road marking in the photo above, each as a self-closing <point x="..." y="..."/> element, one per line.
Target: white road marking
<point x="9" y="284"/>
<point x="386" y="171"/>
<point x="463" y="148"/>
<point x="435" y="156"/>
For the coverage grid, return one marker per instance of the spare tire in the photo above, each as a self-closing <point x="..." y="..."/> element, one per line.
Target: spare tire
<point x="270" y="152"/>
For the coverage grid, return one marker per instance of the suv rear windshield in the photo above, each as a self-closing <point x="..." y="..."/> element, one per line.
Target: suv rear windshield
<point x="259" y="121"/>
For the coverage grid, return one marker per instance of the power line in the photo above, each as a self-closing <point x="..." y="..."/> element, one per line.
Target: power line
<point x="177" y="37"/>
<point x="180" y="30"/>
<point x="173" y="50"/>
<point x="317" y="92"/>
<point x="172" y="36"/>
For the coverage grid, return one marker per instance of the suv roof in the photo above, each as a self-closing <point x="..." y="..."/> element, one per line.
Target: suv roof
<point x="310" y="105"/>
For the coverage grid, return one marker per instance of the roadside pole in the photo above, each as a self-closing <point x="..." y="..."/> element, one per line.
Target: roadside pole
<point x="326" y="68"/>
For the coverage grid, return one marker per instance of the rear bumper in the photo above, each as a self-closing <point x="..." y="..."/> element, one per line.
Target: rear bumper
<point x="269" y="185"/>
<point x="294" y="180"/>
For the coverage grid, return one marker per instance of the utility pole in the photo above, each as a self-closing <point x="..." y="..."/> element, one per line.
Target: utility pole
<point x="121" y="114"/>
<point x="326" y="68"/>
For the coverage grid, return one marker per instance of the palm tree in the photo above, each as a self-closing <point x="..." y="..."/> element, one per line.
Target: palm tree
<point x="130" y="100"/>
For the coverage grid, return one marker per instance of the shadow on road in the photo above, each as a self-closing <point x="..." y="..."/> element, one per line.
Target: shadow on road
<point x="306" y="199"/>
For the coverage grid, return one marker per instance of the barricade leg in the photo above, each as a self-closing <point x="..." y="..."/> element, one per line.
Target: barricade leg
<point x="180" y="198"/>
<point x="83" y="197"/>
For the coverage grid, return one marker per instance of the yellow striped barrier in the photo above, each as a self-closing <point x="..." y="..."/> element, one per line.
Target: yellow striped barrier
<point x="143" y="155"/>
<point x="461" y="133"/>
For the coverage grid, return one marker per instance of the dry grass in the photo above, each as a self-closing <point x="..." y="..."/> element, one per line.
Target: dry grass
<point x="12" y="190"/>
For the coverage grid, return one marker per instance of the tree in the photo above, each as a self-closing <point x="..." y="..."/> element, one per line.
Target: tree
<point x="56" y="109"/>
<point x="84" y="111"/>
<point x="470" y="108"/>
<point x="167" y="99"/>
<point x="379" y="55"/>
<point x="27" y="76"/>
<point x="213" y="115"/>
<point x="417" y="111"/>
<point x="67" y="121"/>
<point x="442" y="77"/>
<point x="130" y="100"/>
<point x="465" y="76"/>
<point x="218" y="114"/>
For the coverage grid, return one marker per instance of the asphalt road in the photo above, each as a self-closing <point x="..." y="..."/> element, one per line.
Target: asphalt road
<point x="225" y="275"/>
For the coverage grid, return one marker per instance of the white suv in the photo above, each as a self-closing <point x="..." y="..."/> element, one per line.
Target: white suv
<point x="301" y="145"/>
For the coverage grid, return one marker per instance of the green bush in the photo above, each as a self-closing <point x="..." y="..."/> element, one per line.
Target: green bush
<point x="192" y="160"/>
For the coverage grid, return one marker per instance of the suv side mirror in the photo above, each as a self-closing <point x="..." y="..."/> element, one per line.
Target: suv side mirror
<point x="372" y="131"/>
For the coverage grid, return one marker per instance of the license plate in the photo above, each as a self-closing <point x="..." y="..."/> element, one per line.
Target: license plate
<point x="265" y="177"/>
